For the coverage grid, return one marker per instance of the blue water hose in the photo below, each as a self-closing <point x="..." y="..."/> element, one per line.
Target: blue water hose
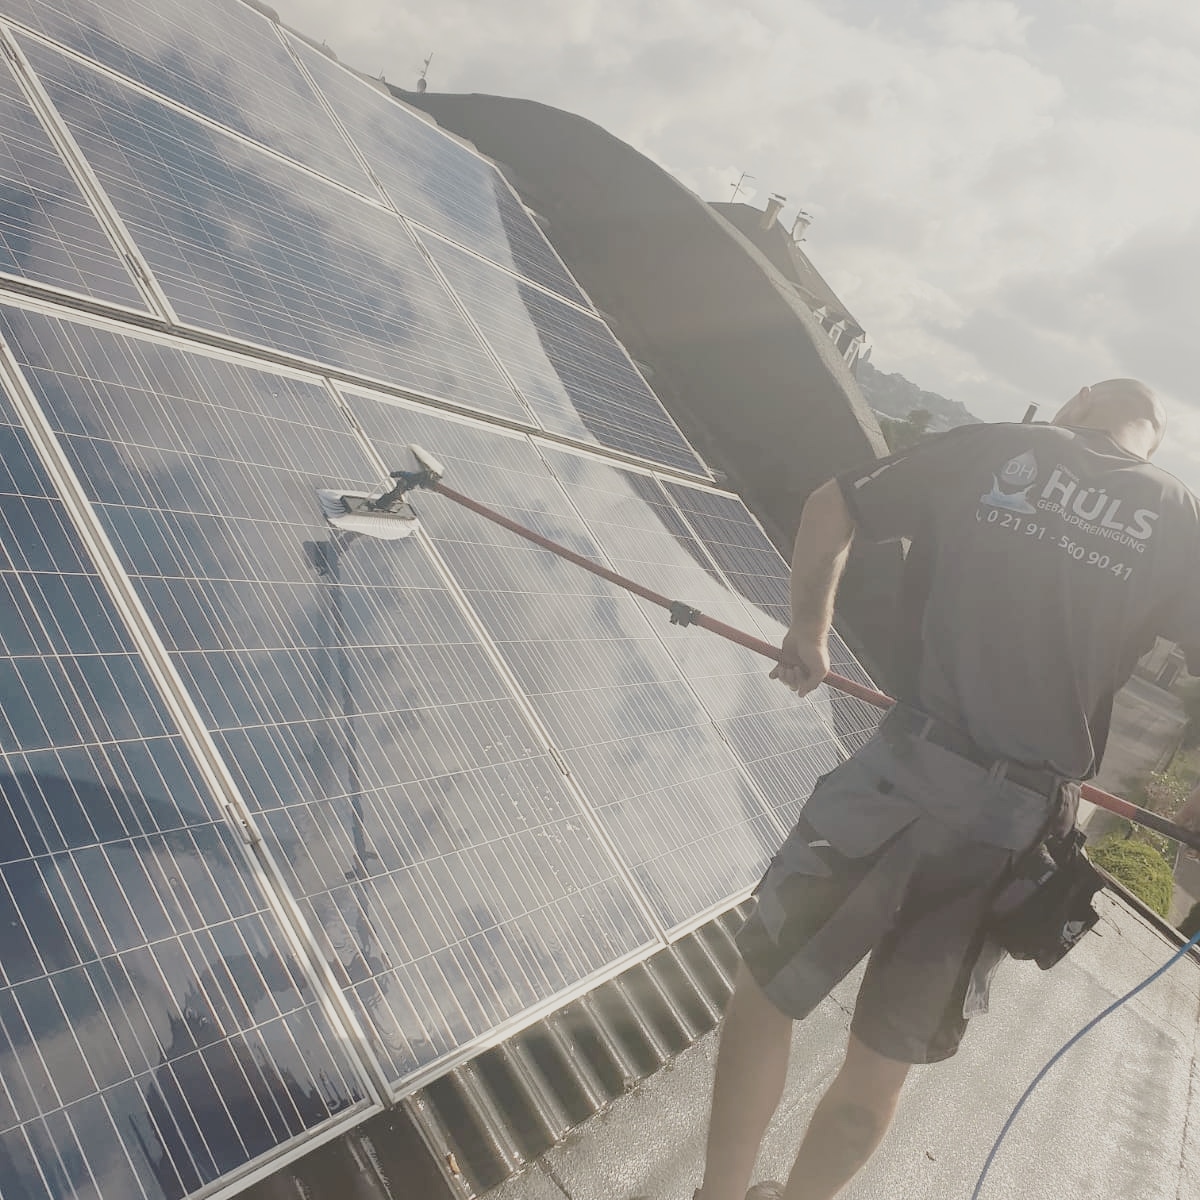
<point x="1086" y="1029"/>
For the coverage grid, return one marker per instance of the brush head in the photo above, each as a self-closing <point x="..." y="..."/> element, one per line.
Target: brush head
<point x="385" y="513"/>
<point x="352" y="513"/>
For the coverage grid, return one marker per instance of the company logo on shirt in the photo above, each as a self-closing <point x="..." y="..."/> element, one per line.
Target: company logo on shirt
<point x="1094" y="510"/>
<point x="1012" y="484"/>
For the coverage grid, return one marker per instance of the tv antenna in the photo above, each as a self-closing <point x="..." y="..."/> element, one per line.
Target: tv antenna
<point x="422" y="82"/>
<point x="737" y="187"/>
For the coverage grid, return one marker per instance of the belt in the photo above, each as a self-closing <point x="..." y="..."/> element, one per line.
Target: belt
<point x="915" y="723"/>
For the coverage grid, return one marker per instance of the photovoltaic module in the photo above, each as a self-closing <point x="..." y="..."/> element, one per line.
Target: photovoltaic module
<point x="295" y="820"/>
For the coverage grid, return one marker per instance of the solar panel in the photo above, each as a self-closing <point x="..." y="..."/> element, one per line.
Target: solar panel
<point x="568" y="366"/>
<point x="749" y="559"/>
<point x="784" y="743"/>
<point x="247" y="246"/>
<point x="672" y="796"/>
<point x="437" y="181"/>
<point x="448" y="875"/>
<point x="48" y="232"/>
<point x="736" y="542"/>
<point x="219" y="58"/>
<point x="156" y="1033"/>
<point x="754" y="567"/>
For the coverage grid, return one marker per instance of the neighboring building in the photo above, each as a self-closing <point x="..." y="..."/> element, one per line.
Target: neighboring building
<point x="782" y="247"/>
<point x="1164" y="665"/>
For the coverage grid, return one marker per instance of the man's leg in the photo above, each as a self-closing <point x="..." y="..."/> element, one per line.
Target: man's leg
<point x="751" y="1069"/>
<point x="848" y="1124"/>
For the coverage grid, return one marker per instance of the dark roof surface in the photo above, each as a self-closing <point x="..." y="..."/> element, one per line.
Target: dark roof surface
<point x="785" y="255"/>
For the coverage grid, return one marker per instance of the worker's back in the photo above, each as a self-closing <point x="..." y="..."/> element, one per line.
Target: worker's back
<point x="1044" y="562"/>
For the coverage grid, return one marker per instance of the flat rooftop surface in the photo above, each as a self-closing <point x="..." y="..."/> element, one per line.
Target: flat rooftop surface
<point x="1118" y="1117"/>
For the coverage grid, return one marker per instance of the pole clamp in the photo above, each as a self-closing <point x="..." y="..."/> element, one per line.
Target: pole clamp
<point x="410" y="480"/>
<point x="684" y="614"/>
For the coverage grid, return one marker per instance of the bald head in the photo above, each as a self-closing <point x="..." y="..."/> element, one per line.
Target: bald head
<point x="1126" y="409"/>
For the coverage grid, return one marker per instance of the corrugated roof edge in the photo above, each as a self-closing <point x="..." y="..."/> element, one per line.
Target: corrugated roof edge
<point x="500" y="1114"/>
<point x="496" y="1115"/>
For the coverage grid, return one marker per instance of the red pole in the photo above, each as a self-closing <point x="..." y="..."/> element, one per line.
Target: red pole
<point x="1113" y="804"/>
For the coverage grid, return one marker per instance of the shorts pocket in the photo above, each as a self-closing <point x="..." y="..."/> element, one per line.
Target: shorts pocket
<point x="857" y="809"/>
<point x="794" y="858"/>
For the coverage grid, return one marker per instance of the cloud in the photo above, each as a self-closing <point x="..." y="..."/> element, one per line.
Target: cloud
<point x="981" y="23"/>
<point x="1007" y="193"/>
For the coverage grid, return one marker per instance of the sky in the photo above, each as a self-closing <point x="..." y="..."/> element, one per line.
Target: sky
<point x="1005" y="194"/>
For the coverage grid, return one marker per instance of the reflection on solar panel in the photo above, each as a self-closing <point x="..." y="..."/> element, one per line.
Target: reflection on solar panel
<point x="438" y="182"/>
<point x="447" y="872"/>
<point x="420" y="871"/>
<point x="155" y="1032"/>
<point x="671" y="794"/>
<point x="48" y="232"/>
<point x="784" y="744"/>
<point x="740" y="548"/>
<point x="245" y="245"/>
<point x="753" y="566"/>
<point x="568" y="366"/>
<point x="220" y="59"/>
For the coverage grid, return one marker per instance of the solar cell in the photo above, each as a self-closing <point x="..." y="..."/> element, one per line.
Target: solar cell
<point x="156" y="1032"/>
<point x="219" y="58"/>
<point x="437" y="181"/>
<point x="447" y="873"/>
<point x="245" y="245"/>
<point x="568" y="366"/>
<point x="48" y="232"/>
<point x="671" y="794"/>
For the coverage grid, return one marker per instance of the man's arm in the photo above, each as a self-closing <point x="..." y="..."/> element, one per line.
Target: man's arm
<point x="818" y="559"/>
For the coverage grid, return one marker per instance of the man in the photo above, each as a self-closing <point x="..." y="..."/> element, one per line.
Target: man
<point x="1044" y="559"/>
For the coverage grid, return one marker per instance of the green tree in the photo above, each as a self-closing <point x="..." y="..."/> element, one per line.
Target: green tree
<point x="1137" y="865"/>
<point x="907" y="432"/>
<point x="1162" y="792"/>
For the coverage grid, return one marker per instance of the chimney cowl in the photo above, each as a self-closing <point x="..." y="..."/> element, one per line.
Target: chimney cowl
<point x="774" y="207"/>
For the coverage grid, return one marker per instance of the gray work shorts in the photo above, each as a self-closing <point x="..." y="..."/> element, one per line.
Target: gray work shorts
<point x="870" y="870"/>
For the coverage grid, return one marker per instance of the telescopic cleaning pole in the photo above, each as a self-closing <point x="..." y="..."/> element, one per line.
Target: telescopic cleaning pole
<point x="429" y="476"/>
<point x="683" y="614"/>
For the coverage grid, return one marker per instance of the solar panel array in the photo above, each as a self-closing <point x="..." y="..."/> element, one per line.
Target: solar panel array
<point x="156" y="1029"/>
<point x="672" y="796"/>
<point x="295" y="820"/>
<point x="437" y="182"/>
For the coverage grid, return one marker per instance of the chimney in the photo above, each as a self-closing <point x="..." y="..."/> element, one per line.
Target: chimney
<point x="800" y="224"/>
<point x="774" y="205"/>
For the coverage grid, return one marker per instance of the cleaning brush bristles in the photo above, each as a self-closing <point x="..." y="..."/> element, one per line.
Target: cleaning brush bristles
<point x="352" y="513"/>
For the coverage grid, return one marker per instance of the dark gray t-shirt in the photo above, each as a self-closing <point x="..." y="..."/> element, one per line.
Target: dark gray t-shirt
<point x="1044" y="561"/>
